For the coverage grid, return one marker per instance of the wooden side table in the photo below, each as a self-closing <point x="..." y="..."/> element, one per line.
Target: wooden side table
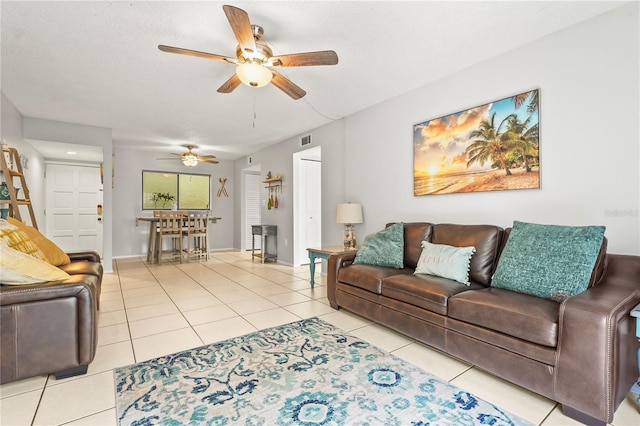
<point x="321" y="253"/>
<point x="636" y="313"/>
<point x="264" y="231"/>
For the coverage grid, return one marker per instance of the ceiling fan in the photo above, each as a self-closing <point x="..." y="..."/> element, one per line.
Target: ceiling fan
<point x="255" y="63"/>
<point x="190" y="158"/>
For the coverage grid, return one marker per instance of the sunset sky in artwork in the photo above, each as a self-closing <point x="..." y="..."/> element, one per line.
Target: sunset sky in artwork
<point x="439" y="144"/>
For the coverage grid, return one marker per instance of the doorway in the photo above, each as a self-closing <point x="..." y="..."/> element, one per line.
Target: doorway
<point x="250" y="206"/>
<point x="73" y="202"/>
<point x="307" y="203"/>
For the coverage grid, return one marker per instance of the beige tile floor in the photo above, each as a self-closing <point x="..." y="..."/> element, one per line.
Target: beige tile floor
<point x="151" y="310"/>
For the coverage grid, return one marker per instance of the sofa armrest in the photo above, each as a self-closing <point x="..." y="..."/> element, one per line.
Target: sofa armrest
<point x="597" y="348"/>
<point x="91" y="256"/>
<point x="47" y="328"/>
<point x="334" y="263"/>
<point x="72" y="287"/>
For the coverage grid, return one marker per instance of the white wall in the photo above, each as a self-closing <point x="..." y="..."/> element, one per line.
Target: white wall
<point x="130" y="240"/>
<point x="11" y="133"/>
<point x="589" y="136"/>
<point x="279" y="159"/>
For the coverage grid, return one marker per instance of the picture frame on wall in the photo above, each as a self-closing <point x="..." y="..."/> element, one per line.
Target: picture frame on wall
<point x="491" y="147"/>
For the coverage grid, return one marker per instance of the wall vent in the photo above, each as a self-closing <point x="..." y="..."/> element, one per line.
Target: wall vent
<point x="305" y="140"/>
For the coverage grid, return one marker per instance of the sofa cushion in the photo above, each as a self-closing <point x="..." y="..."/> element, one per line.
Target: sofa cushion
<point x="527" y="317"/>
<point x="425" y="291"/>
<point x="368" y="277"/>
<point x="85" y="268"/>
<point x="445" y="261"/>
<point x="383" y="248"/>
<point x="485" y="238"/>
<point x="17" y="268"/>
<point x="550" y="261"/>
<point x="414" y="234"/>
<point x="53" y="254"/>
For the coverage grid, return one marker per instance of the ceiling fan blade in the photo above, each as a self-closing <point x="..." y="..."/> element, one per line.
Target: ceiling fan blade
<point x="287" y="86"/>
<point x="241" y="26"/>
<point x="207" y="156"/>
<point x="324" y="57"/>
<point x="181" y="51"/>
<point x="230" y="85"/>
<point x="209" y="161"/>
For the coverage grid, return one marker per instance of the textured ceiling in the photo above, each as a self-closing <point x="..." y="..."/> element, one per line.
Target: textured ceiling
<point x="97" y="63"/>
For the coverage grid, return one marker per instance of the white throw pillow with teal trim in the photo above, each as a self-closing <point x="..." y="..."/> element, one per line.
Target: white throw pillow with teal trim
<point x="550" y="261"/>
<point x="445" y="261"/>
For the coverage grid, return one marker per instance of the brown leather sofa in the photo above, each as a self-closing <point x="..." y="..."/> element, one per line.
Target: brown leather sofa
<point x="51" y="327"/>
<point x="581" y="353"/>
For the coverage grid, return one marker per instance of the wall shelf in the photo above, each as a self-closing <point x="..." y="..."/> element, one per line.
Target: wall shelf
<point x="10" y="168"/>
<point x="274" y="186"/>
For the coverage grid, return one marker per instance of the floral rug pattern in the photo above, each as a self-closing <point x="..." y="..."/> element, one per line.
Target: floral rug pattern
<point x="304" y="373"/>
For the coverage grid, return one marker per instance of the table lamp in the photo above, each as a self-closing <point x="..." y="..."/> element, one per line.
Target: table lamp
<point x="349" y="213"/>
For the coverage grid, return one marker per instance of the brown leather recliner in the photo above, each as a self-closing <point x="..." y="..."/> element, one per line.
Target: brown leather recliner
<point x="51" y="327"/>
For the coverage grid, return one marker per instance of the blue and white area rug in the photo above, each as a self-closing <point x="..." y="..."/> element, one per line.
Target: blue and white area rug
<point x="304" y="373"/>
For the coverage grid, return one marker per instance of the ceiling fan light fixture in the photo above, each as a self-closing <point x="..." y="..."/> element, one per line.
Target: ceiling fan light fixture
<point x="190" y="160"/>
<point x="253" y="74"/>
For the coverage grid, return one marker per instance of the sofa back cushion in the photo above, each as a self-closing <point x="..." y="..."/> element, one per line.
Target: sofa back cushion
<point x="600" y="267"/>
<point x="414" y="234"/>
<point x="487" y="240"/>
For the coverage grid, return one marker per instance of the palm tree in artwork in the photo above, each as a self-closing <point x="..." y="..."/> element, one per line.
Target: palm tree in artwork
<point x="520" y="99"/>
<point x="523" y="138"/>
<point x="487" y="142"/>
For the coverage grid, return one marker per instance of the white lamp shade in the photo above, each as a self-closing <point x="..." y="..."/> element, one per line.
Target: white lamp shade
<point x="349" y="213"/>
<point x="254" y="75"/>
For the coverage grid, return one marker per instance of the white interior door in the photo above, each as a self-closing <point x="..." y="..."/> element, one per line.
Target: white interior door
<point x="251" y="206"/>
<point x="307" y="203"/>
<point x="73" y="193"/>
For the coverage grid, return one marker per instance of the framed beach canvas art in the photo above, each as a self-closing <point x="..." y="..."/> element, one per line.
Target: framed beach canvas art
<point x="491" y="147"/>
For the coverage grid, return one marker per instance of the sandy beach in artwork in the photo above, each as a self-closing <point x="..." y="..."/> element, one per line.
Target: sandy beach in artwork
<point x="492" y="180"/>
<point x="496" y="180"/>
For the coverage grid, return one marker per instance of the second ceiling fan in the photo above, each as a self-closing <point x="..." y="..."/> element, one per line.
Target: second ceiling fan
<point x="190" y="158"/>
<point x="255" y="63"/>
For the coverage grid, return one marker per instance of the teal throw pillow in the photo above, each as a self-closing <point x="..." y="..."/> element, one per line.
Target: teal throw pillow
<point x="550" y="261"/>
<point x="384" y="248"/>
<point x="445" y="261"/>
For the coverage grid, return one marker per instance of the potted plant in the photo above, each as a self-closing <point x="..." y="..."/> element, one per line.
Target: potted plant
<point x="163" y="197"/>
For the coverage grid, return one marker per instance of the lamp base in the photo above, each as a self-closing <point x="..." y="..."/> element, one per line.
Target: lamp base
<point x="349" y="238"/>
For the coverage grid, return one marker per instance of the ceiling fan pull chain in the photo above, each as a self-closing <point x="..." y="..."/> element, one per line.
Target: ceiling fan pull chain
<point x="255" y="115"/>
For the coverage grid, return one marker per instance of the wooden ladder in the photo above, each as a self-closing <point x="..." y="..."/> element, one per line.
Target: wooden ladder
<point x="11" y="168"/>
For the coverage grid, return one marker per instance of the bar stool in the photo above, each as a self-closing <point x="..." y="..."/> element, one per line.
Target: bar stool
<point x="153" y="238"/>
<point x="198" y="230"/>
<point x="170" y="227"/>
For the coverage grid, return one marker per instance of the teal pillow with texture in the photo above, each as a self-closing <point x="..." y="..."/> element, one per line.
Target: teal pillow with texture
<point x="445" y="261"/>
<point x="384" y="248"/>
<point x="550" y="261"/>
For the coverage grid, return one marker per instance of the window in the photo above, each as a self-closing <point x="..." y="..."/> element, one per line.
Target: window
<point x="161" y="189"/>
